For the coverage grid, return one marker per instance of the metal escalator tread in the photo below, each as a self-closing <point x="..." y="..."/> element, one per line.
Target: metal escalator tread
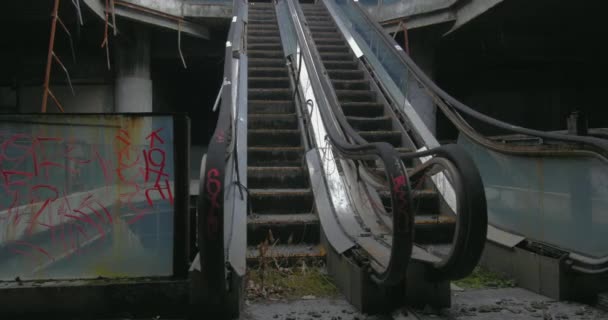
<point x="366" y="115"/>
<point x="279" y="193"/>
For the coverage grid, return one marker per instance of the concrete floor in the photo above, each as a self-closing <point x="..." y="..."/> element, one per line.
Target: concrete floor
<point x="485" y="304"/>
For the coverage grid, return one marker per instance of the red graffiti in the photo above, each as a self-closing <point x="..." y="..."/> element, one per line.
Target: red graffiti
<point x="154" y="136"/>
<point x="73" y="188"/>
<point x="399" y="188"/>
<point x="214" y="190"/>
<point x="220" y="137"/>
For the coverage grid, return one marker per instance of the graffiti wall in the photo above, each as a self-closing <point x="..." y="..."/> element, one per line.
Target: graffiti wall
<point x="86" y="196"/>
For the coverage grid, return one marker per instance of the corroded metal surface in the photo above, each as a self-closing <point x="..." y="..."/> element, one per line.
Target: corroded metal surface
<point x="86" y="196"/>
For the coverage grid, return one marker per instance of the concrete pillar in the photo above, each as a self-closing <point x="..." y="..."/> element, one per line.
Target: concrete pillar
<point x="423" y="47"/>
<point x="133" y="85"/>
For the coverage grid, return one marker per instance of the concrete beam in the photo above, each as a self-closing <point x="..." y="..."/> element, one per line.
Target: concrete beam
<point x="167" y="22"/>
<point x="422" y="13"/>
<point x="472" y="10"/>
<point x="193" y="9"/>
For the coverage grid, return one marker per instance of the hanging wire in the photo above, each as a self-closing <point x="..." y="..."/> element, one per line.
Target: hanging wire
<point x="179" y="43"/>
<point x="76" y="4"/>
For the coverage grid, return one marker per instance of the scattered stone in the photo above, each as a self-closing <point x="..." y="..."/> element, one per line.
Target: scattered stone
<point x="486" y="308"/>
<point x="539" y="305"/>
<point x="512" y="310"/>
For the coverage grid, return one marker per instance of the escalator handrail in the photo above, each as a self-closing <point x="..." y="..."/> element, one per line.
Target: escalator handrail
<point x="210" y="202"/>
<point x="403" y="219"/>
<point x="467" y="244"/>
<point x="593" y="144"/>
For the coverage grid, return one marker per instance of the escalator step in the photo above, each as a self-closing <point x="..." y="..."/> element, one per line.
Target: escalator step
<point x="344" y="56"/>
<point x="262" y="19"/>
<point x="345" y="74"/>
<point x="264" y="26"/>
<point x="324" y="28"/>
<point x="277" y="177"/>
<point x="330" y="40"/>
<point x="262" y="14"/>
<point x="274" y="138"/>
<point x="434" y="229"/>
<point x="312" y="18"/>
<point x="267" y="71"/>
<point x="263" y="39"/>
<point x="280" y="201"/>
<point x="265" y="46"/>
<point x="275" y="157"/>
<point x="362" y="109"/>
<point x="265" y="54"/>
<point x="254" y="20"/>
<point x="255" y="32"/>
<point x="391" y="137"/>
<point x="280" y="121"/>
<point x="356" y="95"/>
<point x="272" y="107"/>
<point x="269" y="94"/>
<point x="325" y="34"/>
<point x="340" y="65"/>
<point x="268" y="82"/>
<point x="266" y="62"/>
<point x="326" y="23"/>
<point x="333" y="48"/>
<point x="351" y="84"/>
<point x="293" y="228"/>
<point x="370" y="124"/>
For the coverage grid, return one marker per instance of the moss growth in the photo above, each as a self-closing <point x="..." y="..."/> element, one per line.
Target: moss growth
<point x="288" y="283"/>
<point x="483" y="278"/>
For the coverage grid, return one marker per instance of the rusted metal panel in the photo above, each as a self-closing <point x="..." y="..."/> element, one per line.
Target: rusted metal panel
<point x="87" y="196"/>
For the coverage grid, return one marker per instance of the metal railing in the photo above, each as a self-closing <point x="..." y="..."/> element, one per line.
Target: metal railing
<point x="557" y="179"/>
<point x="338" y="134"/>
<point x="222" y="224"/>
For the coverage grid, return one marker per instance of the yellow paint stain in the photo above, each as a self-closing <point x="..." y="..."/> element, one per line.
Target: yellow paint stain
<point x="105" y="272"/>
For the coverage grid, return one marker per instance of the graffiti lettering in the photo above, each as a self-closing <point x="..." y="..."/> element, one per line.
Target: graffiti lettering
<point x="214" y="190"/>
<point x="399" y="189"/>
<point x="63" y="188"/>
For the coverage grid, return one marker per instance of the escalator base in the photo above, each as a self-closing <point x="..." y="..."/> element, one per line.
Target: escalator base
<point x="136" y="297"/>
<point x="545" y="275"/>
<point x="358" y="288"/>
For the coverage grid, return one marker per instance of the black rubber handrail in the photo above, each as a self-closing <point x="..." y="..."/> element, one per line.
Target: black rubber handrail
<point x="403" y="218"/>
<point x="448" y="104"/>
<point x="210" y="202"/>
<point x="472" y="212"/>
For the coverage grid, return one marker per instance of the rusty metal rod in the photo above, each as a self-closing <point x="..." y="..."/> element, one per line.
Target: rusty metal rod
<point x="113" y="17"/>
<point x="65" y="70"/>
<point x="49" y="60"/>
<point x="406" y="38"/>
<point x="105" y="43"/>
<point x="55" y="100"/>
<point x="65" y="29"/>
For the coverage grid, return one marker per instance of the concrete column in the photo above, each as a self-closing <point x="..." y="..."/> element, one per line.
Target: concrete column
<point x="423" y="48"/>
<point x="133" y="85"/>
